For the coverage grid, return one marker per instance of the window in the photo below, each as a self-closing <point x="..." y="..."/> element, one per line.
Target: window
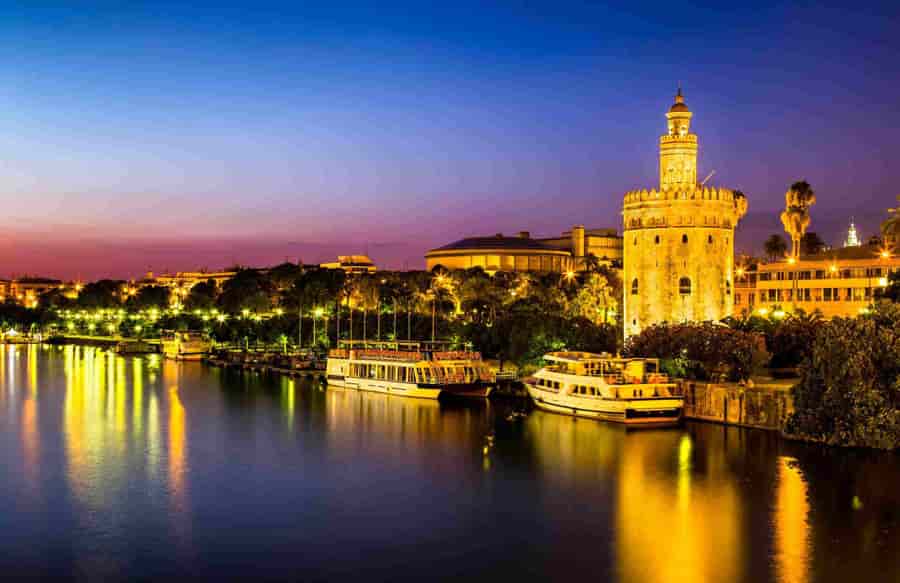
<point x="656" y="240"/>
<point x="684" y="286"/>
<point x="709" y="239"/>
<point x="727" y="287"/>
<point x="634" y="287"/>
<point x="684" y="238"/>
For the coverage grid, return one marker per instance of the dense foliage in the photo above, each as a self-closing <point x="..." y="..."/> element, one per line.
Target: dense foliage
<point x="701" y="351"/>
<point x="514" y="317"/>
<point x="849" y="391"/>
<point x="788" y="337"/>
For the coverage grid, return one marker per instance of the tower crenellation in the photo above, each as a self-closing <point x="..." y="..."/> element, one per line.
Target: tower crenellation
<point x="679" y="237"/>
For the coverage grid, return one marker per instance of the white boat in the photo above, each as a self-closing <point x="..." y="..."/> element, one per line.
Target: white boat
<point x="185" y="345"/>
<point x="632" y="391"/>
<point x="413" y="369"/>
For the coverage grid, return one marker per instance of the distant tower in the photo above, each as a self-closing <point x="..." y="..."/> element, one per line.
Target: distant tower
<point x="852" y="237"/>
<point x="679" y="240"/>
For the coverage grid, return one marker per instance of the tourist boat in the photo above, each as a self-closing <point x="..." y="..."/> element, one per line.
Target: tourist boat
<point x="426" y="370"/>
<point x="189" y="345"/>
<point x="632" y="391"/>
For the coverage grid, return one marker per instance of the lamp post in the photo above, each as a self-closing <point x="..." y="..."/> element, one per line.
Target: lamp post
<point x="317" y="313"/>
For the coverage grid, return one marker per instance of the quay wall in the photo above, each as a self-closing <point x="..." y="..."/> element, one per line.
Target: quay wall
<point x="764" y="405"/>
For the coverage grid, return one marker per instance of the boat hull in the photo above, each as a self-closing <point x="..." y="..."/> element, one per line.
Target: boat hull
<point x="649" y="412"/>
<point x="387" y="388"/>
<point x="468" y="390"/>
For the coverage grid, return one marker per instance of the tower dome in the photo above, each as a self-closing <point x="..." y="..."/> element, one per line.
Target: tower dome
<point x="679" y="105"/>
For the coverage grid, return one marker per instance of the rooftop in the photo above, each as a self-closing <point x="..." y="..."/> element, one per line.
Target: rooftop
<point x="497" y="242"/>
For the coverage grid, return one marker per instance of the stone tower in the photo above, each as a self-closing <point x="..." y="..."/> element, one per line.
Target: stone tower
<point x="679" y="239"/>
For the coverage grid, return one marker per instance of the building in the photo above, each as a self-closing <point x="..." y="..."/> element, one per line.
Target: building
<point x="852" y="237"/>
<point x="839" y="282"/>
<point x="679" y="239"/>
<point x="27" y="290"/>
<point x="604" y="244"/>
<point x="523" y="253"/>
<point x="351" y="264"/>
<point x="181" y="282"/>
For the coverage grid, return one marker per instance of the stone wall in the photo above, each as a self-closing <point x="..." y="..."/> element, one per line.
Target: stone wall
<point x="764" y="406"/>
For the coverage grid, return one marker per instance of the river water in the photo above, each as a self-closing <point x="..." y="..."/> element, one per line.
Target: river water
<point x="132" y="467"/>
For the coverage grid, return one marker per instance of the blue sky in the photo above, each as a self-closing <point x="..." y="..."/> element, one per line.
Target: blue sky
<point x="162" y="135"/>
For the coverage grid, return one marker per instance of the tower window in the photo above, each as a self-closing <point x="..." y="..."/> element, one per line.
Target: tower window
<point x="684" y="286"/>
<point x="656" y="240"/>
<point x="635" y="240"/>
<point x="634" y="287"/>
<point x="684" y="238"/>
<point x="727" y="287"/>
<point x="709" y="240"/>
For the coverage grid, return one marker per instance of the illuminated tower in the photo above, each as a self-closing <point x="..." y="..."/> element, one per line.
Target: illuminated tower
<point x="679" y="239"/>
<point x="852" y="237"/>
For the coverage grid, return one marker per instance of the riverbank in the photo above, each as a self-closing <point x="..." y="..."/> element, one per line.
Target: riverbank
<point x="765" y="405"/>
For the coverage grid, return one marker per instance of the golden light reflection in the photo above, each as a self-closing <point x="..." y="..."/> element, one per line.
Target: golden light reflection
<point x="176" y="445"/>
<point x="31" y="442"/>
<point x="792" y="538"/>
<point x="692" y="533"/>
<point x="288" y="397"/>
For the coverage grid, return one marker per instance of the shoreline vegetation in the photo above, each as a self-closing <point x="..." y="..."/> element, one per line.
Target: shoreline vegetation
<point x="846" y="370"/>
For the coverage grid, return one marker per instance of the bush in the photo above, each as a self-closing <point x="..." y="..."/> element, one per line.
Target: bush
<point x="849" y="391"/>
<point x="702" y="351"/>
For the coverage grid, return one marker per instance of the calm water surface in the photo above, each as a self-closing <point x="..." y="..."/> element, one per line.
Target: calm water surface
<point x="137" y="468"/>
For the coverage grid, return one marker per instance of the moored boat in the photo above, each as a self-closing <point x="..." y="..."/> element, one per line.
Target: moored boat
<point x="414" y="369"/>
<point x="190" y="345"/>
<point x="632" y="391"/>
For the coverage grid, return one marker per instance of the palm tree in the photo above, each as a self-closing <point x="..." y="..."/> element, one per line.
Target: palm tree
<point x="795" y="217"/>
<point x="890" y="229"/>
<point x="775" y="246"/>
<point x="591" y="263"/>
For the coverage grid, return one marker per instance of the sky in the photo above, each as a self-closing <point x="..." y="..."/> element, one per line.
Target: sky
<point x="157" y="137"/>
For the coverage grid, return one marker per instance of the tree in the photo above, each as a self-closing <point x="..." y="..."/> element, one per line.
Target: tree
<point x="849" y="392"/>
<point x="100" y="294"/>
<point x="811" y="243"/>
<point x="795" y="217"/>
<point x="56" y="299"/>
<point x="775" y="247"/>
<point x="285" y="274"/>
<point x="249" y="289"/>
<point x="202" y="296"/>
<point x="892" y="291"/>
<point x="151" y="296"/>
<point x="704" y="351"/>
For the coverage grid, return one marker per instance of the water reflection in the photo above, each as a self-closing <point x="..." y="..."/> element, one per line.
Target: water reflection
<point x="791" y="527"/>
<point x="147" y="465"/>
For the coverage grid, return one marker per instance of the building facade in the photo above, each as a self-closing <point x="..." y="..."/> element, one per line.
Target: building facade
<point x="523" y="253"/>
<point x="352" y="264"/>
<point x="841" y="282"/>
<point x="678" y="254"/>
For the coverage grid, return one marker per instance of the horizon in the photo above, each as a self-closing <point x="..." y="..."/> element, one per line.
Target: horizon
<point x="169" y="138"/>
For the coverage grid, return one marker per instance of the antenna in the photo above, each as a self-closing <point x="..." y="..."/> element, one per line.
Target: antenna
<point x="705" y="180"/>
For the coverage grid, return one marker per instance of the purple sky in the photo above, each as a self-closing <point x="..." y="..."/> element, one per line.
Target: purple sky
<point x="164" y="137"/>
